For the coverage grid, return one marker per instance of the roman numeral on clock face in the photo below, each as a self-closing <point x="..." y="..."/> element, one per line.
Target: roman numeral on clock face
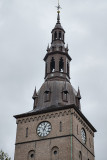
<point x="43" y="129"/>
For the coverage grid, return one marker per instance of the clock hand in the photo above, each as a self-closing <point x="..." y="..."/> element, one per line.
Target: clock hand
<point x="44" y="127"/>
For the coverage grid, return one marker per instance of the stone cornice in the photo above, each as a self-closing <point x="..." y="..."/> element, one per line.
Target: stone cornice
<point x="57" y="52"/>
<point x="52" y="112"/>
<point x="44" y="116"/>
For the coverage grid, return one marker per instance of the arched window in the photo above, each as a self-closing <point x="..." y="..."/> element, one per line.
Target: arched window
<point x="61" y="65"/>
<point x="47" y="96"/>
<point x="67" y="68"/>
<point x="55" y="153"/>
<point x="31" y="155"/>
<point x="60" y="35"/>
<point x="26" y="132"/>
<point x="60" y="129"/>
<point x="65" y="95"/>
<point x="90" y="142"/>
<point x="80" y="155"/>
<point x="55" y="35"/>
<point x="63" y="37"/>
<point x="77" y="129"/>
<point x="52" y="65"/>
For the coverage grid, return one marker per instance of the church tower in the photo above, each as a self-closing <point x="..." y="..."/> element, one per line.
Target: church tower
<point x="55" y="129"/>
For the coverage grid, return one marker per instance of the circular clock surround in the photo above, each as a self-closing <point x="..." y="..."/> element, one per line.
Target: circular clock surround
<point x="43" y="129"/>
<point x="83" y="135"/>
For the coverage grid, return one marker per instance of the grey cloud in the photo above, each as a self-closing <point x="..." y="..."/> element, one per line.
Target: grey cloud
<point x="25" y="31"/>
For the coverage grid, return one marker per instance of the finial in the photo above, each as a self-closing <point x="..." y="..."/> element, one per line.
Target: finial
<point x="78" y="94"/>
<point x="58" y="11"/>
<point x="35" y="94"/>
<point x="48" y="48"/>
<point x="35" y="98"/>
<point x="58" y="7"/>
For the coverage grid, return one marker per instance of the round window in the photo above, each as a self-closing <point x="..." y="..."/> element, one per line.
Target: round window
<point x="55" y="152"/>
<point x="32" y="155"/>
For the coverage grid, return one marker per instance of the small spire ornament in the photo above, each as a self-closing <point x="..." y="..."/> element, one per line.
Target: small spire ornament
<point x="58" y="7"/>
<point x="58" y="11"/>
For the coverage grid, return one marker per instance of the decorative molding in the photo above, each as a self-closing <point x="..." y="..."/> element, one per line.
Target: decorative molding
<point x="83" y="123"/>
<point x="44" y="116"/>
<point x="55" y="115"/>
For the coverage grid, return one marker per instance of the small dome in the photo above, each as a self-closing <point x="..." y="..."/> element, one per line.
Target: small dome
<point x="55" y="93"/>
<point x="58" y="25"/>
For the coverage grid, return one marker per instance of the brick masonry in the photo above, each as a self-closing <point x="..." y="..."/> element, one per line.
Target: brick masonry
<point x="67" y="141"/>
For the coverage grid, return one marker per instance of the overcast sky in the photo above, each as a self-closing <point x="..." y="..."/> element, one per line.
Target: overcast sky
<point x="25" y="31"/>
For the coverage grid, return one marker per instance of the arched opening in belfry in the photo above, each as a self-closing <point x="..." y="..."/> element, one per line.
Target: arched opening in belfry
<point x="61" y="65"/>
<point x="60" y="35"/>
<point x="55" y="35"/>
<point x="67" y="68"/>
<point x="52" y="65"/>
<point x="63" y="37"/>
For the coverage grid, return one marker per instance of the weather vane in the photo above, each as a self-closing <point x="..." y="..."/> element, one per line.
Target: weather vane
<point x="58" y="7"/>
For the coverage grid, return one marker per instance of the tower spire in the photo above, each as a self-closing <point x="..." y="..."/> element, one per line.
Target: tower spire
<point x="57" y="68"/>
<point x="58" y="11"/>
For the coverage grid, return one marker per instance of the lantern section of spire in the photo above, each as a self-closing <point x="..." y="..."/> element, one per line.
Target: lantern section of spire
<point x="57" y="60"/>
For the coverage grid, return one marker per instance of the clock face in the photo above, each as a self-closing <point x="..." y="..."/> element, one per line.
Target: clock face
<point x="83" y="135"/>
<point x="43" y="129"/>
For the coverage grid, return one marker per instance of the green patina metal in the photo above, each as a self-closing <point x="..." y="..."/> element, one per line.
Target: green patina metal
<point x="71" y="137"/>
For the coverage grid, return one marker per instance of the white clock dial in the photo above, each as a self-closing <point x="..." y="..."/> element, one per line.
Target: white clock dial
<point x="43" y="129"/>
<point x="83" y="135"/>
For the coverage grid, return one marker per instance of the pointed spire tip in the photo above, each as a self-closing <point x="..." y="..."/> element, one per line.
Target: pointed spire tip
<point x="78" y="94"/>
<point x="35" y="94"/>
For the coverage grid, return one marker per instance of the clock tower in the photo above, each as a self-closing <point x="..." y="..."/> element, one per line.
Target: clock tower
<point x="55" y="129"/>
